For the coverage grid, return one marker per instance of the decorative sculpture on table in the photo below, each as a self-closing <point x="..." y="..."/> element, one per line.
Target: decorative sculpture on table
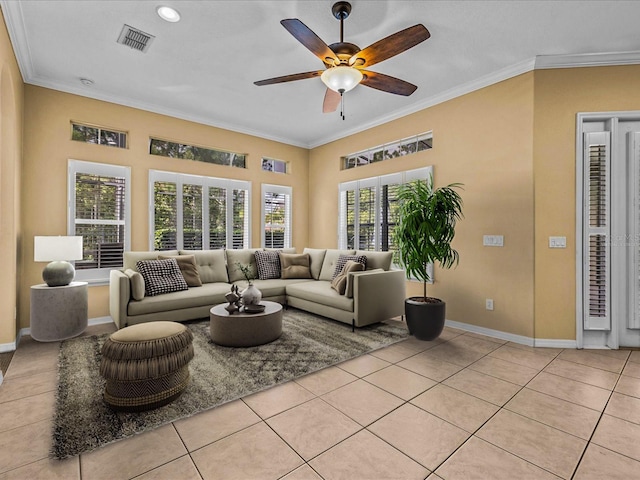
<point x="233" y="297"/>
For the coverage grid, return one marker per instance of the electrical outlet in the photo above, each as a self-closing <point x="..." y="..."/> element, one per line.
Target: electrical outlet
<point x="557" y="242"/>
<point x="489" y="303"/>
<point x="493" y="240"/>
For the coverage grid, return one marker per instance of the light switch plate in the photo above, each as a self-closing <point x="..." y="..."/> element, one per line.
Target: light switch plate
<point x="557" y="242"/>
<point x="493" y="240"/>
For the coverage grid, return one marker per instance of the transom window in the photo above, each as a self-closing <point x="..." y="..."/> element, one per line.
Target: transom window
<point x="98" y="135"/>
<point x="165" y="148"/>
<point x="191" y="212"/>
<point x="395" y="149"/>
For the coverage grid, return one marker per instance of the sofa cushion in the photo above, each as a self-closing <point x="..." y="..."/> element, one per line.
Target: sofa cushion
<point x="283" y="250"/>
<point x="161" y="276"/>
<point x="329" y="263"/>
<point x="295" y="265"/>
<point x="268" y="264"/>
<point x="343" y="259"/>
<point x="275" y="287"/>
<point x="208" y="295"/>
<point x="243" y="256"/>
<point x="377" y="259"/>
<point x="187" y="265"/>
<point x="211" y="264"/>
<point x="320" y="292"/>
<point x="137" y="284"/>
<point x="130" y="259"/>
<point x="316" y="256"/>
<point x="339" y="284"/>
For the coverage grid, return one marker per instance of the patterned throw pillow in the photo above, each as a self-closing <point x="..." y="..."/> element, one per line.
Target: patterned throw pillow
<point x="268" y="263"/>
<point x="339" y="283"/>
<point x="342" y="259"/>
<point x="161" y="276"/>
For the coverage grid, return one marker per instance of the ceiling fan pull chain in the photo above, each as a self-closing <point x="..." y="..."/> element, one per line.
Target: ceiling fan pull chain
<point x="342" y="105"/>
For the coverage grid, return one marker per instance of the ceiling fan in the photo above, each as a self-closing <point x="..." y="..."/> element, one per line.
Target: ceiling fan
<point x="345" y="62"/>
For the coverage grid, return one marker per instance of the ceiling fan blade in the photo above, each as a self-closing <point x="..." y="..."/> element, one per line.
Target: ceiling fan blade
<point x="390" y="46"/>
<point x="386" y="83"/>
<point x="310" y="40"/>
<point x="288" y="78"/>
<point x="331" y="101"/>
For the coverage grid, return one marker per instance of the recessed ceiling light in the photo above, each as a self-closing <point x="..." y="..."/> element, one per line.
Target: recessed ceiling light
<point x="169" y="14"/>
<point x="86" y="81"/>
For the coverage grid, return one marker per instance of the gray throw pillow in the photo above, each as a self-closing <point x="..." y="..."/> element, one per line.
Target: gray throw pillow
<point x="339" y="283"/>
<point x="268" y="263"/>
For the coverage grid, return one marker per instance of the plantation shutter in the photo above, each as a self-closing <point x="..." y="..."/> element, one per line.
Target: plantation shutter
<point x="634" y="158"/>
<point x="276" y="216"/>
<point x="367" y="228"/>
<point x="240" y="219"/>
<point x="217" y="217"/>
<point x="165" y="216"/>
<point x="597" y="231"/>
<point x="192" y="217"/>
<point x="347" y="212"/>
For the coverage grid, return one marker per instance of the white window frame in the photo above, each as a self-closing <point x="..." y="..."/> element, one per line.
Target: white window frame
<point x="99" y="276"/>
<point x="375" y="182"/>
<point x="279" y="190"/>
<point x="181" y="179"/>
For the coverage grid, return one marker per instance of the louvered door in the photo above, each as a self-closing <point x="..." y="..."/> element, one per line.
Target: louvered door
<point x="597" y="231"/>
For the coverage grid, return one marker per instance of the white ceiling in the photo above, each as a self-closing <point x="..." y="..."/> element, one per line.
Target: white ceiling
<point x="203" y="67"/>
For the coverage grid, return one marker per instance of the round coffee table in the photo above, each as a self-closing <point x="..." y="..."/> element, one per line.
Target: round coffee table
<point x="246" y="329"/>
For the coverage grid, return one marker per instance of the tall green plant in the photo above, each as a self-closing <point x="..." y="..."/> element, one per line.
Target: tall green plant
<point x="426" y="226"/>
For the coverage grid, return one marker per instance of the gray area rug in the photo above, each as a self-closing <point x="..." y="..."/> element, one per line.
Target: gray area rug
<point x="83" y="422"/>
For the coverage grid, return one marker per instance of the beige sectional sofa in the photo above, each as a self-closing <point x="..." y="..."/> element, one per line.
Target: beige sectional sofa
<point x="371" y="296"/>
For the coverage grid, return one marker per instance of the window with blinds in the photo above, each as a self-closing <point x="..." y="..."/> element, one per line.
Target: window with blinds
<point x="99" y="212"/>
<point x="597" y="229"/>
<point x="276" y="216"/>
<point x="192" y="212"/>
<point x="368" y="211"/>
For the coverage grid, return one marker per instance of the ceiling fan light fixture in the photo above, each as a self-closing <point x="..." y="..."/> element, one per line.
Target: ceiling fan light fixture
<point x="169" y="14"/>
<point x="341" y="79"/>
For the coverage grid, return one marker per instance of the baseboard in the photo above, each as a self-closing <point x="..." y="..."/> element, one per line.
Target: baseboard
<point x="489" y="332"/>
<point x="521" y="339"/>
<point x="100" y="320"/>
<point x="552" y="343"/>
<point x="10" y="347"/>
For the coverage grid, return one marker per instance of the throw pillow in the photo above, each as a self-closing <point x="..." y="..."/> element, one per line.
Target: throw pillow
<point x="339" y="283"/>
<point x="295" y="265"/>
<point x="137" y="284"/>
<point x="187" y="265"/>
<point x="342" y="259"/>
<point x="268" y="264"/>
<point x="161" y="276"/>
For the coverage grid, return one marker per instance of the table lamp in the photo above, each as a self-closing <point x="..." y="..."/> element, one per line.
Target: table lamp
<point x="58" y="250"/>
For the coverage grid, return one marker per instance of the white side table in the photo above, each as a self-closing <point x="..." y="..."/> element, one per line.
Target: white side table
<point x="58" y="313"/>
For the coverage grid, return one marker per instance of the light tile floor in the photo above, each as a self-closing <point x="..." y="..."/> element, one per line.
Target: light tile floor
<point x="461" y="407"/>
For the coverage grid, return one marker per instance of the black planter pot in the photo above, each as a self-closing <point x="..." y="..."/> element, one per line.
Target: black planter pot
<point x="425" y="320"/>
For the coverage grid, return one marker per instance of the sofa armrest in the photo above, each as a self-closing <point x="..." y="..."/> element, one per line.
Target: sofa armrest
<point x="378" y="296"/>
<point x="119" y="296"/>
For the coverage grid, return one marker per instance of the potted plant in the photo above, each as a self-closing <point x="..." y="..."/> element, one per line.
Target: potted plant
<point x="250" y="295"/>
<point x="426" y="226"/>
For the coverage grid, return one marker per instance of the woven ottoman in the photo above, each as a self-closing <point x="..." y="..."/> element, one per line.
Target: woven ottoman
<point x="146" y="366"/>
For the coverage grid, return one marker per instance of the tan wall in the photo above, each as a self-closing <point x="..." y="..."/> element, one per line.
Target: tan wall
<point x="559" y="96"/>
<point x="11" y="110"/>
<point x="48" y="148"/>
<point x="483" y="140"/>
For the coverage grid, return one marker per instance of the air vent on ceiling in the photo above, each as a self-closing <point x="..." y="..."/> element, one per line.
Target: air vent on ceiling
<point x="134" y="38"/>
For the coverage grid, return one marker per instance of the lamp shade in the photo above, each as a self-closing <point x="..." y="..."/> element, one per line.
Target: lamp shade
<point x="51" y="248"/>
<point x="341" y="79"/>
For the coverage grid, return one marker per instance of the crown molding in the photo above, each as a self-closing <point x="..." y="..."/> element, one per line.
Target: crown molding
<point x="14" y="20"/>
<point x="587" y="60"/>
